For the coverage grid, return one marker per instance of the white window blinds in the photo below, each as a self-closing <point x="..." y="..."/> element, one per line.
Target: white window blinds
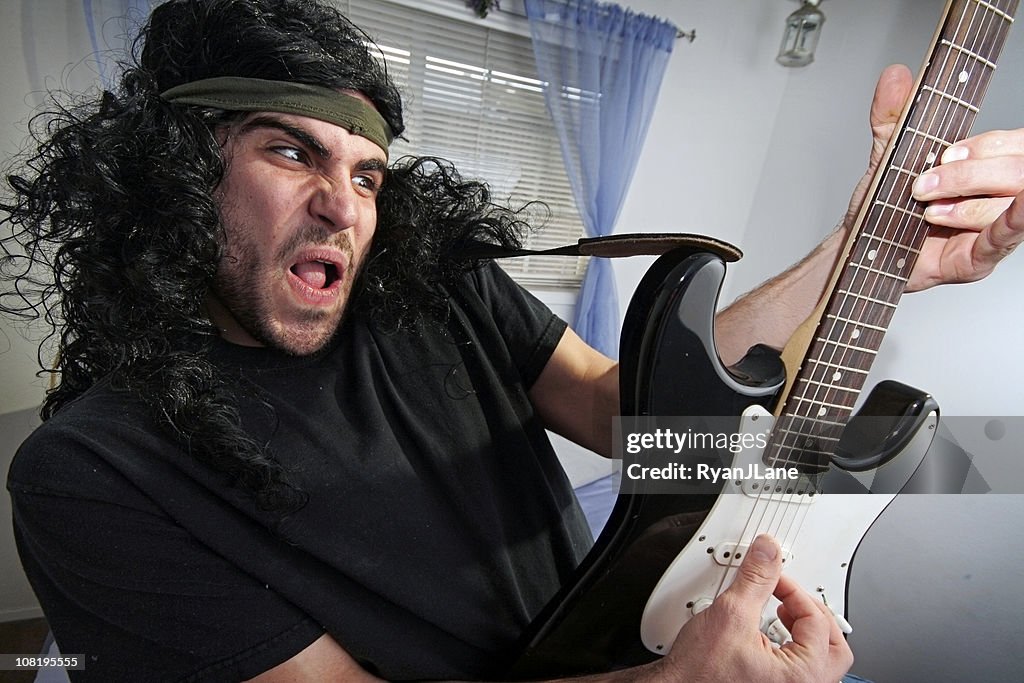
<point x="472" y="96"/>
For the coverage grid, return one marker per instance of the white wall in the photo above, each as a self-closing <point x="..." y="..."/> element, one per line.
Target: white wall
<point x="35" y="46"/>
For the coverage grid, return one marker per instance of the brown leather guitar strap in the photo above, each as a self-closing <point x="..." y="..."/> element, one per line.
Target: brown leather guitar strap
<point x="614" y="246"/>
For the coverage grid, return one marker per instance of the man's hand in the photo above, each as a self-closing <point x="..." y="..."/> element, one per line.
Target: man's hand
<point x="976" y="208"/>
<point x="891" y="93"/>
<point x="724" y="643"/>
<point x="975" y="195"/>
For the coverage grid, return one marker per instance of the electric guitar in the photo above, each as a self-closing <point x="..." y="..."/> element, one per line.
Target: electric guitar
<point x="662" y="558"/>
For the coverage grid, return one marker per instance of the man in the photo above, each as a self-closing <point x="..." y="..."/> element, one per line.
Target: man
<point x="295" y="436"/>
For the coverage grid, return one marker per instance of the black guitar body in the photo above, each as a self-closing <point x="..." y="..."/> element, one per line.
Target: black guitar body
<point x="668" y="366"/>
<point x="593" y="624"/>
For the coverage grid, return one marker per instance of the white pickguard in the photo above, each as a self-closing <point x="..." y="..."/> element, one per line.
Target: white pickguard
<point x="819" y="535"/>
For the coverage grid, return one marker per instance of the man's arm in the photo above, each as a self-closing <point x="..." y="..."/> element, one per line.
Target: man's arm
<point x="577" y="394"/>
<point x="772" y="312"/>
<point x="322" y="661"/>
<point x="722" y="643"/>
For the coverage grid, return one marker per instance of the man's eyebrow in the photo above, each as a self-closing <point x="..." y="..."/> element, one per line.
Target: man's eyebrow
<point x="303" y="136"/>
<point x="372" y="165"/>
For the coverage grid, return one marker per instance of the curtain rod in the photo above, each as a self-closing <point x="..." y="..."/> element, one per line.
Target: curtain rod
<point x="690" y="35"/>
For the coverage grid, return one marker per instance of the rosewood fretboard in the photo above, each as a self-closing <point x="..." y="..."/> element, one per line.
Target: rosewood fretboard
<point x="890" y="233"/>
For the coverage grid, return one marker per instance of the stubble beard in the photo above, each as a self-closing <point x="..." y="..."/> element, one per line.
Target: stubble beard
<point x="243" y="280"/>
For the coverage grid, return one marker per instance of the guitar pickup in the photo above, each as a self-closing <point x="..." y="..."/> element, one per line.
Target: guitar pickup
<point x="731" y="554"/>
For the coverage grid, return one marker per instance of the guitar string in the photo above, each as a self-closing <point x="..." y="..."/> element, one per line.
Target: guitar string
<point x="830" y="337"/>
<point x="878" y="287"/>
<point x="875" y="283"/>
<point x="905" y="223"/>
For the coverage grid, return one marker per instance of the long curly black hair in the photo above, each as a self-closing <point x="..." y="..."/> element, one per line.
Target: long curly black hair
<point x="115" y="235"/>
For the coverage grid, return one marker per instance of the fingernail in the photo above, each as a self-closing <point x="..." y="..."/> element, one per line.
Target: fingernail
<point x="954" y="153"/>
<point x="936" y="210"/>
<point x="764" y="549"/>
<point x="925" y="183"/>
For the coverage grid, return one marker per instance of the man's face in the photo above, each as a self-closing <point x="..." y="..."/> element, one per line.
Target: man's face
<point x="298" y="204"/>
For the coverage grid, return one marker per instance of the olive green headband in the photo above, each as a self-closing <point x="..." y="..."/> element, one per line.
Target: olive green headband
<point x="256" y="94"/>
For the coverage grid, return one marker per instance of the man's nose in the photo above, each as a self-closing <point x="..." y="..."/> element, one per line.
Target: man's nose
<point x="336" y="204"/>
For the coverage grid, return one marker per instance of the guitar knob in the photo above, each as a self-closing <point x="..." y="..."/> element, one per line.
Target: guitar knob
<point x="844" y="625"/>
<point x="776" y="632"/>
<point x="699" y="606"/>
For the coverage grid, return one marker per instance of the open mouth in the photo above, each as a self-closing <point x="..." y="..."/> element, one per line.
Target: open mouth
<point x="317" y="274"/>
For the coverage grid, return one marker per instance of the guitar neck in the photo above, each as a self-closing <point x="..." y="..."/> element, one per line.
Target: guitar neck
<point x="891" y="230"/>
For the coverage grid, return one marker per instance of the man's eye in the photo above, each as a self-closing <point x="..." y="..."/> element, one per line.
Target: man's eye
<point x="367" y="183"/>
<point x="293" y="153"/>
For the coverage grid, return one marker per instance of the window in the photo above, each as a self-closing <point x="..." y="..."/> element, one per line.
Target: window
<point x="472" y="96"/>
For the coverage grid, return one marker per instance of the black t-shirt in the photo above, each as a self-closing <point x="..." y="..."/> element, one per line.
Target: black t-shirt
<point x="438" y="523"/>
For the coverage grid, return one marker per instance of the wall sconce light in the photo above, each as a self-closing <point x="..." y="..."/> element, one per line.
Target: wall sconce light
<point x="803" y="28"/>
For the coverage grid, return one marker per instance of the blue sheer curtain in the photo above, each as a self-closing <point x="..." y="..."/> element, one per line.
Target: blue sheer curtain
<point x="92" y="36"/>
<point x="603" y="66"/>
<point x="112" y="24"/>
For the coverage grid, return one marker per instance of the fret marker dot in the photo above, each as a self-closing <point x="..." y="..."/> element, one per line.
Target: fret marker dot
<point x="837" y="376"/>
<point x="902" y="262"/>
<point x="963" y="76"/>
<point x="855" y="334"/>
<point x="930" y="158"/>
<point x="872" y="254"/>
<point x="821" y="412"/>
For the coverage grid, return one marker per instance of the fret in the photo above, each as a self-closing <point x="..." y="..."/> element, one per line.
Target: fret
<point x="824" y="375"/>
<point x="825" y="385"/>
<point x="929" y="136"/>
<point x="801" y="425"/>
<point x="892" y="243"/>
<point x="804" y="436"/>
<point x="911" y="174"/>
<point x="867" y="284"/>
<point x="858" y="323"/>
<point x="958" y="66"/>
<point x="855" y="330"/>
<point x="843" y="345"/>
<point x="778" y="455"/>
<point x="880" y="272"/>
<point x="807" y="422"/>
<point x="995" y="10"/>
<point x="782" y="454"/>
<point x="857" y="308"/>
<point x="783" y="459"/>
<point x="823" y="405"/>
<point x="973" y="55"/>
<point x="807" y="436"/>
<point x="908" y="212"/>
<point x="858" y="342"/>
<point x="954" y="76"/>
<point x="848" y="382"/>
<point x="867" y="298"/>
<point x="956" y="100"/>
<point x="783" y="436"/>
<point x="836" y="366"/>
